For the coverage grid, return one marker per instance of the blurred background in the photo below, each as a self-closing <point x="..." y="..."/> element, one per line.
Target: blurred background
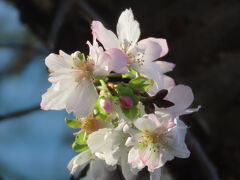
<point x="204" y="42"/>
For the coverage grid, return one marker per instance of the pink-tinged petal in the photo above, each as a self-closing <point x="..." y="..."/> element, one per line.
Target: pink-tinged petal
<point x="128" y="28"/>
<point x="163" y="44"/>
<point x="152" y="49"/>
<point x="168" y="124"/>
<point x="118" y="61"/>
<point x="107" y="105"/>
<point x="156" y="174"/>
<point x="106" y="37"/>
<point x="165" y="66"/>
<point x="168" y="83"/>
<point x="134" y="159"/>
<point x="56" y="62"/>
<point x="83" y="99"/>
<point x="147" y="122"/>
<point x="145" y="154"/>
<point x="153" y="162"/>
<point x="182" y="97"/>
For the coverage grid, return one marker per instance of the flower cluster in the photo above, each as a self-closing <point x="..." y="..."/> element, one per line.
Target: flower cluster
<point x="126" y="108"/>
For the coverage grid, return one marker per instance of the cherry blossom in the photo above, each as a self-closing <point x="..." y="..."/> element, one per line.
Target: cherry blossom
<point x="141" y="54"/>
<point x="72" y="78"/>
<point x="156" y="139"/>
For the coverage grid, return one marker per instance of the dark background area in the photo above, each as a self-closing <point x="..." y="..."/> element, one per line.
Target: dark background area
<point x="204" y="43"/>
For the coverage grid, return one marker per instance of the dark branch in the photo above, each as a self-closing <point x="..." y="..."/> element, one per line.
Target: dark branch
<point x="26" y="47"/>
<point x="90" y="14"/>
<point x="19" y="113"/>
<point x="62" y="11"/>
<point x="202" y="157"/>
<point x="57" y="22"/>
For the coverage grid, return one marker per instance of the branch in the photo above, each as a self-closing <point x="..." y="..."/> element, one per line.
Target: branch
<point x="19" y="113"/>
<point x="57" y="22"/>
<point x="202" y="157"/>
<point x="26" y="47"/>
<point x="90" y="14"/>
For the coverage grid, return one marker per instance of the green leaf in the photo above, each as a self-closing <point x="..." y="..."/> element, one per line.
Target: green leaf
<point x="130" y="113"/>
<point x="138" y="81"/>
<point x="81" y="138"/>
<point x="80" y="143"/>
<point x="79" y="148"/>
<point x="75" y="123"/>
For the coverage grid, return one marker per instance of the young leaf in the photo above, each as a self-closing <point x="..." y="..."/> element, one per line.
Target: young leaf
<point x="80" y="143"/>
<point x="75" y="123"/>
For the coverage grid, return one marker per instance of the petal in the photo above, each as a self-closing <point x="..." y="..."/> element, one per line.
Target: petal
<point x="55" y="99"/>
<point x="128" y="28"/>
<point x="125" y="166"/>
<point x="154" y="48"/>
<point x="102" y="148"/>
<point x="145" y="154"/>
<point x="55" y="62"/>
<point x="101" y="67"/>
<point x="106" y="37"/>
<point x="162" y="43"/>
<point x="165" y="83"/>
<point x="118" y="61"/>
<point x="79" y="161"/>
<point x="156" y="174"/>
<point x="191" y="110"/>
<point x="182" y="97"/>
<point x="165" y="66"/>
<point x="182" y="151"/>
<point x="134" y="159"/>
<point x="83" y="99"/>
<point x="98" y="170"/>
<point x="147" y="122"/>
<point x="96" y="140"/>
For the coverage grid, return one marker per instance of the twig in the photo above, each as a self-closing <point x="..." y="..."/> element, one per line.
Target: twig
<point x="65" y="6"/>
<point x="202" y="157"/>
<point x="27" y="47"/>
<point x="19" y="113"/>
<point x="90" y="14"/>
<point x="57" y="22"/>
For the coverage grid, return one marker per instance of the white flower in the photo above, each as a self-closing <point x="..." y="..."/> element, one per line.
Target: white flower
<point x="140" y="54"/>
<point x="108" y="144"/>
<point x="157" y="139"/>
<point x="72" y="79"/>
<point x="80" y="161"/>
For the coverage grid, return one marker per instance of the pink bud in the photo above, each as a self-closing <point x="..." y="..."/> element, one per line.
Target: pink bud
<point x="107" y="105"/>
<point x="126" y="101"/>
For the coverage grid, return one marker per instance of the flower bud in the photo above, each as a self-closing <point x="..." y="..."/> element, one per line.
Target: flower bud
<point x="126" y="101"/>
<point x="107" y="105"/>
